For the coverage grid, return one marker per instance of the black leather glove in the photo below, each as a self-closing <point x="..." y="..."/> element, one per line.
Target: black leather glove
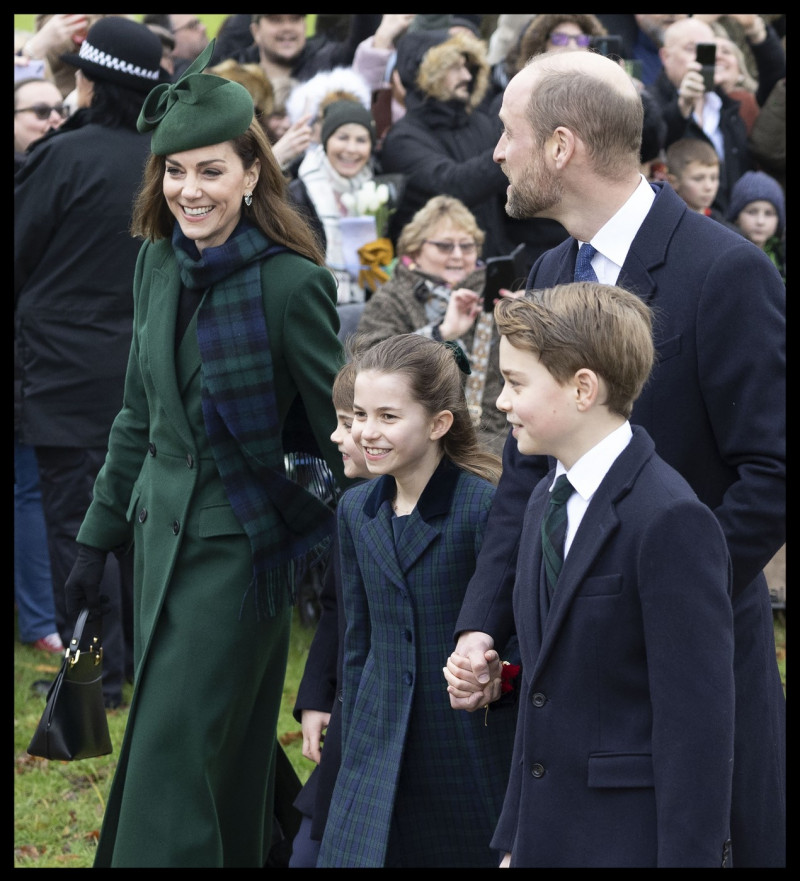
<point x="83" y="584"/>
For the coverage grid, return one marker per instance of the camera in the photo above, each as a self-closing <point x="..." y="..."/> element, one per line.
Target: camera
<point x="706" y="55"/>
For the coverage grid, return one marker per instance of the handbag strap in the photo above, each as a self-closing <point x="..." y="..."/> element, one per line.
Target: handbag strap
<point x="77" y="635"/>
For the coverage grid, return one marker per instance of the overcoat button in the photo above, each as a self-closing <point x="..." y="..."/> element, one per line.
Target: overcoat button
<point x="407" y="635"/>
<point x="143" y="515"/>
<point x="189" y="460"/>
<point x="176" y="527"/>
<point x="538" y="699"/>
<point x="151" y="448"/>
<point x="408" y="678"/>
<point x="537" y="770"/>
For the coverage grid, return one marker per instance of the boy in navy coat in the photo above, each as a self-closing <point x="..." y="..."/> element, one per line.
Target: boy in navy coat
<point x="624" y="746"/>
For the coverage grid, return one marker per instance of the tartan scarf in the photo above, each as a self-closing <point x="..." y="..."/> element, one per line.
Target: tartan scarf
<point x="288" y="527"/>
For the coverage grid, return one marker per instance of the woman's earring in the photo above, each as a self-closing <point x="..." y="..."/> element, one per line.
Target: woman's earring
<point x="248" y="199"/>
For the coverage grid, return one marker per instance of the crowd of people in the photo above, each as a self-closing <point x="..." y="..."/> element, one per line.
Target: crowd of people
<point x="552" y="508"/>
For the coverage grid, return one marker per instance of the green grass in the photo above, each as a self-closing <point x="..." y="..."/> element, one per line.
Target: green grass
<point x="58" y="806"/>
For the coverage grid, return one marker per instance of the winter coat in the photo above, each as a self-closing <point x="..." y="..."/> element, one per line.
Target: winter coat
<point x="420" y="784"/>
<point x="624" y="748"/>
<point x="446" y="146"/>
<point x="734" y="134"/>
<point x="193" y="786"/>
<point x="74" y="260"/>
<point x="399" y="306"/>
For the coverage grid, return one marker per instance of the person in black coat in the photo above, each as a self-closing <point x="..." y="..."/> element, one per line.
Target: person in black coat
<point x="318" y="707"/>
<point x="73" y="291"/>
<point x="309" y="56"/>
<point x="715" y="404"/>
<point x="680" y="93"/>
<point x="443" y="144"/>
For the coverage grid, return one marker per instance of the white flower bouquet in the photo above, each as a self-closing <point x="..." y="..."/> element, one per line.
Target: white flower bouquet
<point x="371" y="200"/>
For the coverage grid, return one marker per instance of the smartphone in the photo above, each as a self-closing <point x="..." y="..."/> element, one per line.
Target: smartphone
<point x="501" y="272"/>
<point x="609" y="44"/>
<point x="706" y="54"/>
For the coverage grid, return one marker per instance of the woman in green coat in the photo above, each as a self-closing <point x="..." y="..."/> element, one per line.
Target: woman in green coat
<point x="234" y="332"/>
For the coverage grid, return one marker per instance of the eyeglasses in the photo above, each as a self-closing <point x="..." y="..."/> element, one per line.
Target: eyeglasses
<point x="43" y="111"/>
<point x="192" y="25"/>
<point x="561" y="39"/>
<point x="449" y="247"/>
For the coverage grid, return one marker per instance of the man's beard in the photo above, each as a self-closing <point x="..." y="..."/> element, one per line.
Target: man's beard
<point x="534" y="195"/>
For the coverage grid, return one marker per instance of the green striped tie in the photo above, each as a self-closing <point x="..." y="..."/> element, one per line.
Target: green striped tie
<point x="554" y="531"/>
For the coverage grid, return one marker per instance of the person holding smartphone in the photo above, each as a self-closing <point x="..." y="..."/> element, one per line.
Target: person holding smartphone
<point x="437" y="290"/>
<point x="691" y="110"/>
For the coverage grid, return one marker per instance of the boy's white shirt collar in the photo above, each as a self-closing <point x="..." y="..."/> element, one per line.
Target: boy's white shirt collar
<point x="588" y="472"/>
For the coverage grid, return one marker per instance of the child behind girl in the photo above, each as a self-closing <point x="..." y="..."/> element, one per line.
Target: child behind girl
<point x="419" y="784"/>
<point x="317" y="708"/>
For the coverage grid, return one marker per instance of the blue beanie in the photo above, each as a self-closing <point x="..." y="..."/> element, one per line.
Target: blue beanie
<point x="754" y="186"/>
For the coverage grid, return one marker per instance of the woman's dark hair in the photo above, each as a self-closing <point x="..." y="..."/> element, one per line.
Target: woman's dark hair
<point x="113" y="106"/>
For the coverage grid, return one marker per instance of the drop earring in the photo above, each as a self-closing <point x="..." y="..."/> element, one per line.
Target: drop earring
<point x="248" y="199"/>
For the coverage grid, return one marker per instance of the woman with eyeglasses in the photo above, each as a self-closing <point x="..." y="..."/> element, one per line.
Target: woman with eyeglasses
<point x="435" y="290"/>
<point x="38" y="109"/>
<point x="556" y="32"/>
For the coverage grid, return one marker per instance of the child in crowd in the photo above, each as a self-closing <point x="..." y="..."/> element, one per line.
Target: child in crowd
<point x="624" y="748"/>
<point x="419" y="784"/>
<point x="693" y="172"/>
<point x="758" y="209"/>
<point x="317" y="707"/>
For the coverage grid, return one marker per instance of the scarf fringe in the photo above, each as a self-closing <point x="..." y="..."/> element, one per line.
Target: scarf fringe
<point x="273" y="588"/>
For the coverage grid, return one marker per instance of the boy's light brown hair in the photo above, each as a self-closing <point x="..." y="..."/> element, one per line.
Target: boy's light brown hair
<point x="686" y="150"/>
<point x="585" y="325"/>
<point x="342" y="390"/>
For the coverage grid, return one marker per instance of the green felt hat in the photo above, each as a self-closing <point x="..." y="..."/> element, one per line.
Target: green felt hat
<point x="197" y="110"/>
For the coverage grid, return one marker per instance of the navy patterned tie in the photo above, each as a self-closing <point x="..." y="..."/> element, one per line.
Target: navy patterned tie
<point x="554" y="531"/>
<point x="583" y="265"/>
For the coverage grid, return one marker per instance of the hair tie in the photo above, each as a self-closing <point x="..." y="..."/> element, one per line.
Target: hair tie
<point x="460" y="356"/>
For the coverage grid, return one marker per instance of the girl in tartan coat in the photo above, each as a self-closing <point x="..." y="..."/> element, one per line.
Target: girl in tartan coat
<point x="419" y="784"/>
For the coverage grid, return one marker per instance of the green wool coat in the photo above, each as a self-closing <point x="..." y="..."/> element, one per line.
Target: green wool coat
<point x="194" y="781"/>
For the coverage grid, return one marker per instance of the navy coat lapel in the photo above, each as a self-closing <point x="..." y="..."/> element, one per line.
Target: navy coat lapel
<point x="423" y="526"/>
<point x="599" y="523"/>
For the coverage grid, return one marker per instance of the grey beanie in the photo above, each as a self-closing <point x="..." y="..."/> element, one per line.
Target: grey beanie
<point x="754" y="186"/>
<point x="341" y="113"/>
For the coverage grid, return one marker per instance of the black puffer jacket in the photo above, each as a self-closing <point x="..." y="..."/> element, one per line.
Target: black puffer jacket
<point x="446" y="146"/>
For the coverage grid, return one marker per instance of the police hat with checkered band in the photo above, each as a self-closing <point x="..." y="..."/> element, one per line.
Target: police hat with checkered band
<point x="121" y="51"/>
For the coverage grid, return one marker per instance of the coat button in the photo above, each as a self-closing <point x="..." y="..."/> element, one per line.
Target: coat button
<point x="537" y="770"/>
<point x="408" y="678"/>
<point x="143" y="515"/>
<point x="176" y="527"/>
<point x="538" y="699"/>
<point x="189" y="460"/>
<point x="151" y="448"/>
<point x="408" y="635"/>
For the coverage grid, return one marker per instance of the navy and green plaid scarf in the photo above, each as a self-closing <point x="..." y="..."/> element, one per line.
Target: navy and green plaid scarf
<point x="288" y="527"/>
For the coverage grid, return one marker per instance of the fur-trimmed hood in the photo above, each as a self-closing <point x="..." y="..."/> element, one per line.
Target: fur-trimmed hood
<point x="438" y="59"/>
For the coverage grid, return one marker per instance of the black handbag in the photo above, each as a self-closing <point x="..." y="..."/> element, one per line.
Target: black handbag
<point x="74" y="724"/>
